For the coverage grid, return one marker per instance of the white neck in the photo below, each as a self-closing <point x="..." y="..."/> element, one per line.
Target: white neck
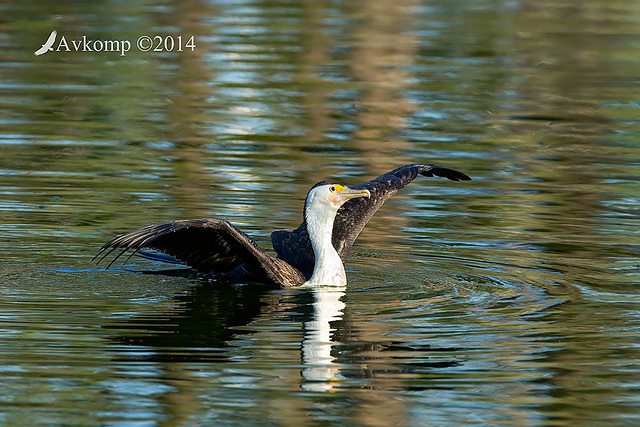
<point x="328" y="269"/>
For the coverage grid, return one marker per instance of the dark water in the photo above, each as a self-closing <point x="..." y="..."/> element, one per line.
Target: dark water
<point x="508" y="300"/>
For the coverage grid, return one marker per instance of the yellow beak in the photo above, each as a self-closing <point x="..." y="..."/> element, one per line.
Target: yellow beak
<point x="339" y="198"/>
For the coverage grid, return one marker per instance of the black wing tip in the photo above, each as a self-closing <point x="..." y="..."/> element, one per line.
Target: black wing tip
<point x="101" y="255"/>
<point x="455" y="175"/>
<point x="132" y="241"/>
<point x="450" y="174"/>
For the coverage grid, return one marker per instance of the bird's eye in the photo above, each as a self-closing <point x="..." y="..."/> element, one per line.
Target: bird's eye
<point x="332" y="188"/>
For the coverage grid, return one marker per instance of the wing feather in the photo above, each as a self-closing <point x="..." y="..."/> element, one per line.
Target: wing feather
<point x="209" y="246"/>
<point x="295" y="246"/>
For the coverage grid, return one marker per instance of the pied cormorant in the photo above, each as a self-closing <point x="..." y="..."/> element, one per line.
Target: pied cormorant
<point x="312" y="254"/>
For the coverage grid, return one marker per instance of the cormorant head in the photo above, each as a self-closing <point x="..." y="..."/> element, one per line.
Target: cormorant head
<point x="328" y="196"/>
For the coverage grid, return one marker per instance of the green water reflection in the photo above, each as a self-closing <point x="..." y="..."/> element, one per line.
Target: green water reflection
<point x="511" y="299"/>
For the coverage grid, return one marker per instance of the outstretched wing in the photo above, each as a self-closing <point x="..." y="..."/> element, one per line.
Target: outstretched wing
<point x="354" y="215"/>
<point x="295" y="247"/>
<point x="209" y="246"/>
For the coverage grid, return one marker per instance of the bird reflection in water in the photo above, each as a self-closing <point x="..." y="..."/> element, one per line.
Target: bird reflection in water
<point x="320" y="370"/>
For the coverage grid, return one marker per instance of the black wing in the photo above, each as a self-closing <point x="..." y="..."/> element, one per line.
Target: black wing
<point x="209" y="246"/>
<point x="295" y="247"/>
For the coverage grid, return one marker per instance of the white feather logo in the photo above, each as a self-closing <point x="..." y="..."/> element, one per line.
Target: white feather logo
<point x="48" y="45"/>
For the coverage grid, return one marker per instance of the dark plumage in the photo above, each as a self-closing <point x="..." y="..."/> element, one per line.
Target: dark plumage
<point x="215" y="247"/>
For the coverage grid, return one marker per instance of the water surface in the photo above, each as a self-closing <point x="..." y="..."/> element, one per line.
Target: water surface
<point x="508" y="300"/>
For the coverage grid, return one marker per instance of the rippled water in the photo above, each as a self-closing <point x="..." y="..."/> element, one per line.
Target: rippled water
<point x="508" y="300"/>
